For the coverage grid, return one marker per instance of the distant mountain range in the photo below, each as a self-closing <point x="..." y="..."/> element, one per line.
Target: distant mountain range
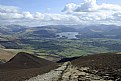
<point x="16" y="36"/>
<point x="91" y="31"/>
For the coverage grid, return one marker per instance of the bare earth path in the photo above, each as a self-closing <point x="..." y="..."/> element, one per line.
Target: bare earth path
<point x="67" y="72"/>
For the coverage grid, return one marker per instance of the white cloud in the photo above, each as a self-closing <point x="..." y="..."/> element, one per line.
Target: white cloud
<point x="91" y="12"/>
<point x="90" y="6"/>
<point x="27" y="15"/>
<point x="70" y="7"/>
<point x="8" y="9"/>
<point x="84" y="13"/>
<point x="12" y="15"/>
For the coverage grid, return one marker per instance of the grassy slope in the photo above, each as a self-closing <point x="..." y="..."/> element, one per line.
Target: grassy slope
<point x="6" y="55"/>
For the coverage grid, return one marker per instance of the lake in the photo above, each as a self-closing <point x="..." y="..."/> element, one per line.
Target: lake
<point x="69" y="35"/>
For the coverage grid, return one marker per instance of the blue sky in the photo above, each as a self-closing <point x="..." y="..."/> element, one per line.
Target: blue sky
<point x="47" y="6"/>
<point x="60" y="12"/>
<point x="38" y="5"/>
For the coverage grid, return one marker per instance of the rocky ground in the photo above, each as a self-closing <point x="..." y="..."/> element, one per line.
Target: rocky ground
<point x="107" y="65"/>
<point x="67" y="72"/>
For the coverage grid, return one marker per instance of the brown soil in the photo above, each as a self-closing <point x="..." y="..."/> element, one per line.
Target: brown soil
<point x="24" y="66"/>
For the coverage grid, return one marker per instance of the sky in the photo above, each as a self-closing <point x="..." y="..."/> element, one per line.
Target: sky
<point x="60" y="12"/>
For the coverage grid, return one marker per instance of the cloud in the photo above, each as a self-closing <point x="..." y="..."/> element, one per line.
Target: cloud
<point x="91" y="12"/>
<point x="90" y="6"/>
<point x="27" y="15"/>
<point x="13" y="15"/>
<point x="8" y="9"/>
<point x="70" y="7"/>
<point x="53" y="19"/>
<point x="88" y="12"/>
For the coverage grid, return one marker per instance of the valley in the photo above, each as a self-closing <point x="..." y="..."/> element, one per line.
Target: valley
<point x="80" y="54"/>
<point x="61" y="41"/>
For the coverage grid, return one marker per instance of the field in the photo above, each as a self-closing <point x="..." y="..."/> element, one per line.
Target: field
<point x="61" y="41"/>
<point x="67" y="47"/>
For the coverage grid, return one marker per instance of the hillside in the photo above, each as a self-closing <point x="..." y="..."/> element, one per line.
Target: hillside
<point x="62" y="40"/>
<point x="1" y="62"/>
<point x="100" y="67"/>
<point x="106" y="65"/>
<point x="11" y="29"/>
<point x="51" y="31"/>
<point x="6" y="55"/>
<point x="44" y="42"/>
<point x="24" y="66"/>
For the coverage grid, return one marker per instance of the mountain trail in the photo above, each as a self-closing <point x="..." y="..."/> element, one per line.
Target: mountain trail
<point x="67" y="72"/>
<point x="53" y="75"/>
